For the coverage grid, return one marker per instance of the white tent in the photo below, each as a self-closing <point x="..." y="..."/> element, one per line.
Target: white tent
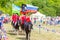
<point x="38" y="15"/>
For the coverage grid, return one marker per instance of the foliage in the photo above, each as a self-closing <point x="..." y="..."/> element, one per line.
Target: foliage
<point x="47" y="7"/>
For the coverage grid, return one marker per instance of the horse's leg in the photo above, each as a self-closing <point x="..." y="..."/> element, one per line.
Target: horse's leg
<point x="17" y="32"/>
<point x="20" y="29"/>
<point x="26" y="35"/>
<point x="29" y="36"/>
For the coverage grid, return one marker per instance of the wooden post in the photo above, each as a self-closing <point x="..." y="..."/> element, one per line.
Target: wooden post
<point x="39" y="28"/>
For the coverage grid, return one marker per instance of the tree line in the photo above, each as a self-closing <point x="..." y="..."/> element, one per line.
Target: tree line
<point x="47" y="7"/>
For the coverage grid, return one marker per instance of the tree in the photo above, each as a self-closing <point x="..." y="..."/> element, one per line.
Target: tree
<point x="47" y="7"/>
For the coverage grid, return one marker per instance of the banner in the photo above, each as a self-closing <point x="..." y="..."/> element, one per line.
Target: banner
<point x="15" y="9"/>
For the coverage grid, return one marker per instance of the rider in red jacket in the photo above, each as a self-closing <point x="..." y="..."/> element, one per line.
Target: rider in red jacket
<point x="15" y="17"/>
<point x="15" y="21"/>
<point x="28" y="20"/>
<point x="23" y="19"/>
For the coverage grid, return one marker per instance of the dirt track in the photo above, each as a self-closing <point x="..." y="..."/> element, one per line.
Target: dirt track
<point x="35" y="35"/>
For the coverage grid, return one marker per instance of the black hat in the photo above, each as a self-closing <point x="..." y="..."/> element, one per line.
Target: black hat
<point x="24" y="5"/>
<point x="17" y="13"/>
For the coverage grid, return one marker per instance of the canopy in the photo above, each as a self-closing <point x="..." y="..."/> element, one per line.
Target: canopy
<point x="38" y="15"/>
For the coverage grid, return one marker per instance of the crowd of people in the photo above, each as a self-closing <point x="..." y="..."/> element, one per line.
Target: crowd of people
<point x="50" y="20"/>
<point x="53" y="21"/>
<point x="2" y="29"/>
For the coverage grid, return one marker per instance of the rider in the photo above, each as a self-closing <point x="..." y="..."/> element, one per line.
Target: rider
<point x="1" y="20"/>
<point x="15" y="20"/>
<point x="28" y="20"/>
<point x="23" y="17"/>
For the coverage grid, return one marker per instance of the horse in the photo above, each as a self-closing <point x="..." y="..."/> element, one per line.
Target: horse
<point x="27" y="28"/>
<point x="15" y="26"/>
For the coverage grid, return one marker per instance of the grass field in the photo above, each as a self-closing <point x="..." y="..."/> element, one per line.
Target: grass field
<point x="35" y="35"/>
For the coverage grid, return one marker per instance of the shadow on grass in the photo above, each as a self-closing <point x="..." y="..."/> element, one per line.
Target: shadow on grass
<point x="21" y="38"/>
<point x="21" y="34"/>
<point x="11" y="33"/>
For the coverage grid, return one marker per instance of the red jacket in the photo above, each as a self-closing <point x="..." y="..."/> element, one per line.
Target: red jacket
<point x="15" y="18"/>
<point x="23" y="18"/>
<point x="28" y="19"/>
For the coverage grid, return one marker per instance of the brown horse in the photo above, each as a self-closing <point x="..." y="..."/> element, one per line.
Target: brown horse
<point x="27" y="28"/>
